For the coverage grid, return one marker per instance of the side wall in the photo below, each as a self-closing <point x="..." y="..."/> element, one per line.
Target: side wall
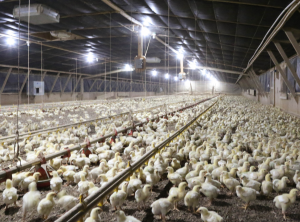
<point x="276" y="97"/>
<point x="200" y="87"/>
<point x="12" y="98"/>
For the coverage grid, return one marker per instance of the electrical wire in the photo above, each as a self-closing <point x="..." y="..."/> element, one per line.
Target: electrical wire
<point x="28" y="44"/>
<point x="148" y="46"/>
<point x="16" y="155"/>
<point x="271" y="29"/>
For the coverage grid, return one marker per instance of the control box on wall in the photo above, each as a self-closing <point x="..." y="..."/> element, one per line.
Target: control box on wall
<point x="36" y="88"/>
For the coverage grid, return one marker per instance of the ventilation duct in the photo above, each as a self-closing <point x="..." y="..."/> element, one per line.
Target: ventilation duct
<point x="38" y="14"/>
<point x="153" y="60"/>
<point x="61" y="34"/>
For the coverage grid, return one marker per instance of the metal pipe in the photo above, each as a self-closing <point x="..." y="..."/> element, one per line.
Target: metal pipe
<point x="91" y="201"/>
<point x="107" y="73"/>
<point x="122" y="12"/>
<point x="165" y="44"/>
<point x="200" y="67"/>
<point x="292" y="9"/>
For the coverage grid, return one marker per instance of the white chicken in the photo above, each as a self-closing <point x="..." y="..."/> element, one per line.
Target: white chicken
<point x="31" y="199"/>
<point x="65" y="201"/>
<point x="46" y="205"/>
<point x="9" y="194"/>
<point x="55" y="182"/>
<point x="142" y="194"/>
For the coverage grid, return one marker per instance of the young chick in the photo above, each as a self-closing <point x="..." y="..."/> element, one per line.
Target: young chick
<point x="25" y="183"/>
<point x="250" y="183"/>
<point x="141" y="195"/>
<point x="267" y="185"/>
<point x="133" y="185"/>
<point x="211" y="181"/>
<point x="9" y="194"/>
<point x="17" y="178"/>
<point x="279" y="185"/>
<point x="192" y="197"/>
<point x="210" y="191"/>
<point x="94" y="216"/>
<point x="97" y="171"/>
<point x="55" y="182"/>
<point x="184" y="170"/>
<point x="197" y="180"/>
<point x="118" y="198"/>
<point x="162" y="206"/>
<point x="85" y="171"/>
<point x="92" y="188"/>
<point x="209" y="216"/>
<point x="121" y="217"/>
<point x="246" y="194"/>
<point x="45" y="206"/>
<point x="178" y="192"/>
<point x="229" y="182"/>
<point x="175" y="178"/>
<point x="83" y="185"/>
<point x="31" y="199"/>
<point x="66" y="201"/>
<point x="284" y="201"/>
<point x="68" y="175"/>
<point x="298" y="184"/>
<point x="175" y="164"/>
<point x="296" y="176"/>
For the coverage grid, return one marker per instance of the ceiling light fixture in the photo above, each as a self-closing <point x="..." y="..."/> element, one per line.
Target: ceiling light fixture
<point x="127" y="67"/>
<point x="193" y="64"/>
<point x="179" y="55"/>
<point x="90" y="57"/>
<point x="167" y="76"/>
<point x="154" y="72"/>
<point x="10" y="41"/>
<point x="145" y="31"/>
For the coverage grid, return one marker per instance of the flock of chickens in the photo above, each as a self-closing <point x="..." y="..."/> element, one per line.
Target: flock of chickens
<point x="43" y="118"/>
<point x="249" y="149"/>
<point x="78" y="169"/>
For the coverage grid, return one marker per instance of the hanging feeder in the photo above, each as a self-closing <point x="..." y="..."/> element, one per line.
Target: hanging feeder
<point x="113" y="138"/>
<point x="86" y="150"/>
<point x="46" y="174"/>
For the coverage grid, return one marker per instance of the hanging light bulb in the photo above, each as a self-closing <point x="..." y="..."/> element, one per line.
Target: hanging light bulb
<point x="175" y="78"/>
<point x="10" y="41"/>
<point x="167" y="76"/>
<point x="145" y="31"/>
<point x="179" y="55"/>
<point x="154" y="72"/>
<point x="90" y="57"/>
<point x="193" y="64"/>
<point x="127" y="67"/>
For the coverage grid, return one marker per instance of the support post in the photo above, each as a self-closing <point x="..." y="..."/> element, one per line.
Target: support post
<point x="44" y="74"/>
<point x="54" y="84"/>
<point x="287" y="61"/>
<point x="5" y="80"/>
<point x="23" y="84"/>
<point x="78" y="80"/>
<point x="256" y="81"/>
<point x="293" y="41"/>
<point x="100" y="85"/>
<point x="292" y="90"/>
<point x="93" y="84"/>
<point x="65" y="86"/>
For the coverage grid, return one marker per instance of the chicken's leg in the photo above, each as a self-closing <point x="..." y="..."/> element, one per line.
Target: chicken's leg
<point x="245" y="206"/>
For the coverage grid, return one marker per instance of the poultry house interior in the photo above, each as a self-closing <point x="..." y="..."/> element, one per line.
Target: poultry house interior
<point x="149" y="110"/>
